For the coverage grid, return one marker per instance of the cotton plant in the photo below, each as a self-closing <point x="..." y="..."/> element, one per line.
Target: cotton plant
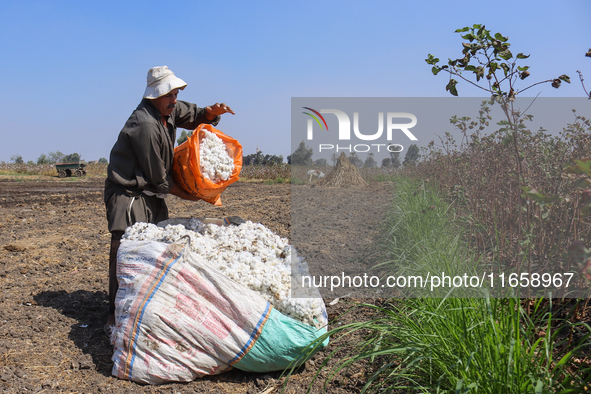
<point x="251" y="255"/>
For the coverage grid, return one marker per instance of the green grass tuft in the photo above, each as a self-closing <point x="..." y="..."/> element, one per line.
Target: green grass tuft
<point x="451" y="344"/>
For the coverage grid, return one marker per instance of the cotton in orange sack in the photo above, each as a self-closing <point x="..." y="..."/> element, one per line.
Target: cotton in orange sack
<point x="186" y="167"/>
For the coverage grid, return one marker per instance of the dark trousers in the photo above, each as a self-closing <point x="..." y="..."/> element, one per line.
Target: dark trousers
<point x="123" y="211"/>
<point x="113" y="284"/>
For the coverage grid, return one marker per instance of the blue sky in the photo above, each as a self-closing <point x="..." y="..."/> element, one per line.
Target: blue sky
<point x="73" y="71"/>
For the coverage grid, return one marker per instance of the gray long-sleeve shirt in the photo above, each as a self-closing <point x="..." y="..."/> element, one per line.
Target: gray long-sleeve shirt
<point x="141" y="159"/>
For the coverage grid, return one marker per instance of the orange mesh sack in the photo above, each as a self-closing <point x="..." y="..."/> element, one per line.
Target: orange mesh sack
<point x="186" y="167"/>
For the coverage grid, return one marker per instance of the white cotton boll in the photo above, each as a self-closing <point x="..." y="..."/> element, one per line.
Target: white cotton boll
<point x="249" y="254"/>
<point x="215" y="162"/>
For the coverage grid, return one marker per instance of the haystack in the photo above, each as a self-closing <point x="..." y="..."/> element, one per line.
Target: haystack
<point x="343" y="174"/>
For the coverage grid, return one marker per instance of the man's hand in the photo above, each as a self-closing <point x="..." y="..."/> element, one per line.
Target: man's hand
<point x="217" y="109"/>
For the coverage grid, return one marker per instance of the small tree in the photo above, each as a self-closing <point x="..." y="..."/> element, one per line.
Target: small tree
<point x="412" y="155"/>
<point x="321" y="163"/>
<point x="484" y="56"/>
<point x="43" y="159"/>
<point x="334" y="157"/>
<point x="71" y="158"/>
<point x="370" y="161"/>
<point x="102" y="160"/>
<point x="260" y="159"/>
<point x="386" y="162"/>
<point x="394" y="157"/>
<point x="272" y="159"/>
<point x="488" y="59"/>
<point x="356" y="161"/>
<point x="302" y="155"/>
<point x="17" y="159"/>
<point x="184" y="136"/>
<point x="56" y="156"/>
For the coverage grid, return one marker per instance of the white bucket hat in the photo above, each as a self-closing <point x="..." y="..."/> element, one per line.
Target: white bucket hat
<point x="161" y="81"/>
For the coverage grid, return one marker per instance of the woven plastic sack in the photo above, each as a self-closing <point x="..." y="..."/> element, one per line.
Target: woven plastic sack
<point x="186" y="170"/>
<point x="179" y="319"/>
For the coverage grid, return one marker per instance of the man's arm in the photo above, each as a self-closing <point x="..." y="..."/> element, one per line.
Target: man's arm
<point x="189" y="116"/>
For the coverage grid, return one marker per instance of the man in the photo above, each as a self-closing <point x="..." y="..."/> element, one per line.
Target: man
<point x="139" y="172"/>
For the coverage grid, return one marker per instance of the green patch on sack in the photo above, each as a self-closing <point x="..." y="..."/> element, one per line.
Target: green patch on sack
<point x="282" y="341"/>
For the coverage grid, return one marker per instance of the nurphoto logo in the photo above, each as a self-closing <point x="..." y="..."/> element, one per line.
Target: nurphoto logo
<point x="394" y="122"/>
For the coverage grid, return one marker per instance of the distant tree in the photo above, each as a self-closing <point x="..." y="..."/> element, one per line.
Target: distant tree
<point x="370" y="161"/>
<point x="394" y="158"/>
<point x="260" y="159"/>
<point x="289" y="159"/>
<point x="30" y="162"/>
<point x="17" y="159"/>
<point x="272" y="159"/>
<point x="412" y="155"/>
<point x="302" y="155"/>
<point x="321" y="163"/>
<point x="386" y="162"/>
<point x="247" y="160"/>
<point x="334" y="157"/>
<point x="103" y="160"/>
<point x="56" y="156"/>
<point x="184" y="136"/>
<point x="356" y="161"/>
<point x="253" y="159"/>
<point x="71" y="158"/>
<point x="43" y="159"/>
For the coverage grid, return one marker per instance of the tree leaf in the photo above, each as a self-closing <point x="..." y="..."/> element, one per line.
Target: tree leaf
<point x="579" y="167"/>
<point x="508" y="140"/>
<point x="522" y="56"/>
<point x="451" y="87"/>
<point x="565" y="78"/>
<point x="524" y="74"/>
<point x="469" y="37"/>
<point x="431" y="59"/>
<point x="537" y="196"/>
<point x="506" y="54"/>
<point x="499" y="37"/>
<point x="435" y="70"/>
<point x="583" y="183"/>
<point x="505" y="68"/>
<point x="462" y="29"/>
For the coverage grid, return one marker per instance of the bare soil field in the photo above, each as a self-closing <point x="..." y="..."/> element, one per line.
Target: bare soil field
<point x="54" y="248"/>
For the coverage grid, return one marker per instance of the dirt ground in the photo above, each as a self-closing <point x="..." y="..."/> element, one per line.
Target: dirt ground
<point x="54" y="248"/>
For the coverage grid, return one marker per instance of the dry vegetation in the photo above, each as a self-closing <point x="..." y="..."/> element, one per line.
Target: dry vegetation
<point x="527" y="226"/>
